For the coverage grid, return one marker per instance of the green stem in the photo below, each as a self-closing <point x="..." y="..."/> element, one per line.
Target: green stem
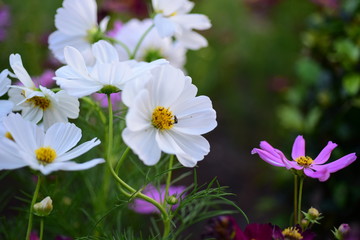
<point x="133" y="192"/>
<point x="126" y="152"/>
<point x="33" y="201"/>
<point x="300" y="197"/>
<point x="296" y="185"/>
<point x="168" y="180"/>
<point x="41" y="228"/>
<point x="140" y="41"/>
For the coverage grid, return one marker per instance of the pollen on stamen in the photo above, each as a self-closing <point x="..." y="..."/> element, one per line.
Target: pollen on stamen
<point x="45" y="155"/>
<point x="41" y="102"/>
<point x="304" y="161"/>
<point x="292" y="233"/>
<point x="163" y="118"/>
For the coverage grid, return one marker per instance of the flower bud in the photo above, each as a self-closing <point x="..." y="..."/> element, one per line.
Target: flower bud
<point x="313" y="215"/>
<point x="172" y="200"/>
<point x="44" y="207"/>
<point x="304" y="223"/>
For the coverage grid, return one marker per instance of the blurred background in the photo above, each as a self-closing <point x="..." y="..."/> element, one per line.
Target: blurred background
<point x="274" y="69"/>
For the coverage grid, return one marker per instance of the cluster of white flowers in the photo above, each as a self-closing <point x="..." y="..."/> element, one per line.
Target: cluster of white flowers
<point x="144" y="63"/>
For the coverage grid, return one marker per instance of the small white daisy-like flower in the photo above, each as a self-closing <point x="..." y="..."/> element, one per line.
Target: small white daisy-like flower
<point x="107" y="75"/>
<point x="165" y="115"/>
<point x="153" y="46"/>
<point x="43" y="151"/>
<point x="36" y="104"/>
<point x="173" y="19"/>
<point x="77" y="26"/>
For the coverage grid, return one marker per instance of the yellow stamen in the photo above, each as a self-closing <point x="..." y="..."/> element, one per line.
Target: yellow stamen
<point x="9" y="136"/>
<point x="304" y="161"/>
<point x="41" y="102"/>
<point x="291" y="233"/>
<point x="45" y="155"/>
<point x="163" y="118"/>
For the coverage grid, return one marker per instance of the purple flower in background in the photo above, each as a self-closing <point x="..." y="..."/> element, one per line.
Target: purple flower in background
<point x="102" y="99"/>
<point x="4" y="21"/>
<point x="311" y="168"/>
<point x="45" y="79"/>
<point x="116" y="29"/>
<point x="143" y="207"/>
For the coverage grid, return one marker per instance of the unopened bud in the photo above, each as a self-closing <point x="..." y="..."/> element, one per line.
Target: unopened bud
<point x="304" y="223"/>
<point x="44" y="207"/>
<point x="313" y="213"/>
<point x="172" y="200"/>
<point x="342" y="232"/>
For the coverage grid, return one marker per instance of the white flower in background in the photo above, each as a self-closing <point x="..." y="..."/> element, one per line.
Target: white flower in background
<point x="36" y="104"/>
<point x="173" y="19"/>
<point x="43" y="151"/>
<point x="77" y="26"/>
<point x="108" y="75"/>
<point x="5" y="105"/>
<point x="165" y="115"/>
<point x="153" y="46"/>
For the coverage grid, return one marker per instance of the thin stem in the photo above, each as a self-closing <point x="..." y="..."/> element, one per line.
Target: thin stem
<point x="300" y="197"/>
<point x="133" y="192"/>
<point x="41" y="228"/>
<point x="126" y="152"/>
<point x="140" y="41"/>
<point x="33" y="201"/>
<point x="296" y="185"/>
<point x="168" y="180"/>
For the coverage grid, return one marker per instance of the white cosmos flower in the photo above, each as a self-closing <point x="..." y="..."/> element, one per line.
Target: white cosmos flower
<point x="173" y="19"/>
<point x="36" y="104"/>
<point x="43" y="151"/>
<point x="77" y="26"/>
<point x="153" y="46"/>
<point x="108" y="74"/>
<point x="165" y="115"/>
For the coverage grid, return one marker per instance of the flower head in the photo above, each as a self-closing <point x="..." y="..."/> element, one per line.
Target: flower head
<point x="223" y="227"/>
<point x="77" y="26"/>
<point x="108" y="75"/>
<point x="44" y="207"/>
<point x="153" y="46"/>
<point x="314" y="168"/>
<point x="165" y="115"/>
<point x="173" y="19"/>
<point x="43" y="151"/>
<point x="36" y="104"/>
<point x="144" y="207"/>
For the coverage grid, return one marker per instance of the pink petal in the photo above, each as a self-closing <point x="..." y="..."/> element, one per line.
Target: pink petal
<point x="322" y="174"/>
<point x="339" y="164"/>
<point x="324" y="155"/>
<point x="298" y="149"/>
<point x="269" y="157"/>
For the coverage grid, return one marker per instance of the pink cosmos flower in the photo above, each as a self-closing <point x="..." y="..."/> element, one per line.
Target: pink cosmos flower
<point x="102" y="99"/>
<point x="314" y="168"/>
<point x="143" y="207"/>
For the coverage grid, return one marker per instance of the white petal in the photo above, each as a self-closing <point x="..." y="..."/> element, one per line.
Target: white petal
<point x="26" y="134"/>
<point x="194" y="146"/>
<point x="104" y="23"/>
<point x="76" y="61"/>
<point x="192" y="21"/>
<point x="192" y="40"/>
<point x="62" y="137"/>
<point x="4" y="82"/>
<point x="165" y="27"/>
<point x="20" y="72"/>
<point x="104" y="52"/>
<point x="143" y="144"/>
<point x="79" y="150"/>
<point x="70" y="166"/>
<point x="9" y="155"/>
<point x="5" y="107"/>
<point x="139" y="116"/>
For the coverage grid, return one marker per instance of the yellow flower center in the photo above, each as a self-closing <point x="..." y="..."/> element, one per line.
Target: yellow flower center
<point x="9" y="136"/>
<point x="41" y="102"/>
<point x="45" y="155"/>
<point x="291" y="233"/>
<point x="304" y="161"/>
<point x="163" y="118"/>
